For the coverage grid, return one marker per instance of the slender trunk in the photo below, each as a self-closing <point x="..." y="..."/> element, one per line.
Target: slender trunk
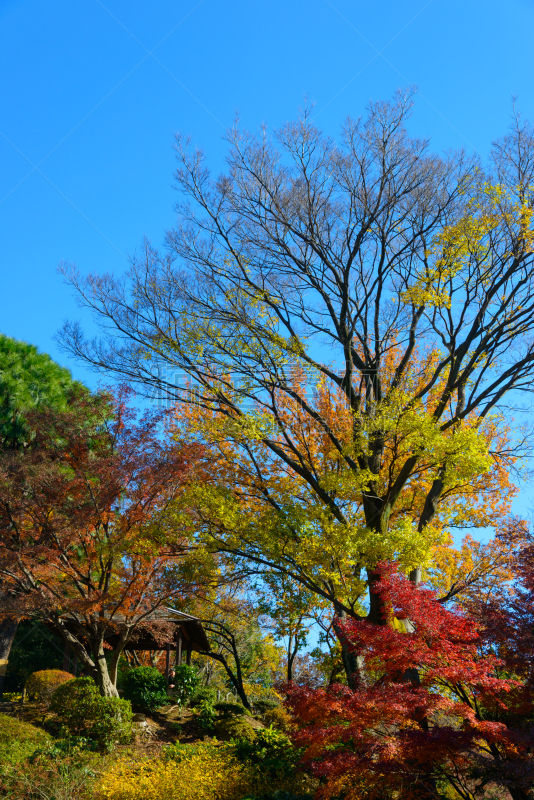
<point x="8" y="629"/>
<point x="291" y="654"/>
<point x="235" y="679"/>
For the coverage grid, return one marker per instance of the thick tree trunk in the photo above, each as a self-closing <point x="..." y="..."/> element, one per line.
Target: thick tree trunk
<point x="103" y="677"/>
<point x="352" y="663"/>
<point x="8" y="629"/>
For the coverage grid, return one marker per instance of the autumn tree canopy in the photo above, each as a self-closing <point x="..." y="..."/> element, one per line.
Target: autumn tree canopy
<point x="347" y="317"/>
<point x="29" y="379"/>
<point x="84" y="540"/>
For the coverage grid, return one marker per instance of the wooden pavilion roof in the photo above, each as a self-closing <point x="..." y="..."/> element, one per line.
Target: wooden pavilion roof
<point x="185" y="627"/>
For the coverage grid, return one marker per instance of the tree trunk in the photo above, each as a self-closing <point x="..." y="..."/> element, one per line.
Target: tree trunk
<point x="235" y="680"/>
<point x="291" y="654"/>
<point x="103" y="677"/>
<point x="352" y="663"/>
<point x="8" y="629"/>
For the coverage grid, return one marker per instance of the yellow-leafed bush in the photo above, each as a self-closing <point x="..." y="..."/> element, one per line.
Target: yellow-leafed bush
<point x="41" y="685"/>
<point x="279" y="718"/>
<point x="205" y="772"/>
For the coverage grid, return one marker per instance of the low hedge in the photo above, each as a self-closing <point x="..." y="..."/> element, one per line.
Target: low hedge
<point x="19" y="740"/>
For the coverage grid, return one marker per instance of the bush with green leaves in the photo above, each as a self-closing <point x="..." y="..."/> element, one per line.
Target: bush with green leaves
<point x="261" y="706"/>
<point x="203" y="694"/>
<point x="18" y="740"/>
<point x="80" y="710"/>
<point x="271" y="752"/>
<point x="145" y="688"/>
<point x="234" y="728"/>
<point x="207" y="715"/>
<point x="230" y="709"/>
<point x="186" y="681"/>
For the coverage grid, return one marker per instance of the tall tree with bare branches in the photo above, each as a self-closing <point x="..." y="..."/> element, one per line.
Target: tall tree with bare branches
<point x="369" y="292"/>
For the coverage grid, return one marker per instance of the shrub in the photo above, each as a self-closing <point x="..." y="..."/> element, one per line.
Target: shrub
<point x="52" y="774"/>
<point x="278" y="718"/>
<point x="270" y="752"/>
<point x="229" y="728"/>
<point x="146" y="688"/>
<point x="230" y="709"/>
<point x="186" y="680"/>
<point x="201" y="772"/>
<point x="203" y="694"/>
<point x="41" y="685"/>
<point x="81" y="711"/>
<point x="262" y="706"/>
<point x="207" y="715"/>
<point x="18" y="740"/>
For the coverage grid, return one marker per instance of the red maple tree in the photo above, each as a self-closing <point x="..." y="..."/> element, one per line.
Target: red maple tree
<point x="85" y="541"/>
<point x="437" y="706"/>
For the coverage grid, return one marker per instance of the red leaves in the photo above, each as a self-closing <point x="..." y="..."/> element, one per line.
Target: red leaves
<point x="421" y="713"/>
<point x="83" y="533"/>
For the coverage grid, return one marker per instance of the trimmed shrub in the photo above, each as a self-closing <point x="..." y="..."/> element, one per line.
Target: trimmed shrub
<point x="270" y="752"/>
<point x="203" y="694"/>
<point x="41" y="685"/>
<point x="278" y="718"/>
<point x="81" y="711"/>
<point x="145" y="688"/>
<point x="230" y="709"/>
<point x="262" y="706"/>
<point x="186" y="680"/>
<point x="229" y="728"/>
<point x="19" y="740"/>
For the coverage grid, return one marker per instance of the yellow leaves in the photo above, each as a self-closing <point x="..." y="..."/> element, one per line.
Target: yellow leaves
<point x="402" y="542"/>
<point x="467" y="240"/>
<point x="200" y="772"/>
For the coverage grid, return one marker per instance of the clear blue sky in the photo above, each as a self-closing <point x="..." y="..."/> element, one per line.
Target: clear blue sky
<point x="92" y="91"/>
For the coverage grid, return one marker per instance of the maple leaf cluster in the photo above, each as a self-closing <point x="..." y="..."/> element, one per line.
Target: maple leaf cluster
<point x="441" y="699"/>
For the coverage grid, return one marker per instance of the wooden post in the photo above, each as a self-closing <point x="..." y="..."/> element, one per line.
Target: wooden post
<point x="188" y="657"/>
<point x="168" y="663"/>
<point x="66" y="657"/>
<point x="179" y="648"/>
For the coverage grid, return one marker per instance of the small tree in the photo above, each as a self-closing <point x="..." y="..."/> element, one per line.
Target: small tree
<point x="28" y="380"/>
<point x="84" y="539"/>
<point x="435" y="706"/>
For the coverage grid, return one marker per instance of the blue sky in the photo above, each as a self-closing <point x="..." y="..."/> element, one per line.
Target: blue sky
<point x="92" y="91"/>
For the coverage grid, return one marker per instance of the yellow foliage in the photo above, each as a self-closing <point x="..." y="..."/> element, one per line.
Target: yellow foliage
<point x="206" y="772"/>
